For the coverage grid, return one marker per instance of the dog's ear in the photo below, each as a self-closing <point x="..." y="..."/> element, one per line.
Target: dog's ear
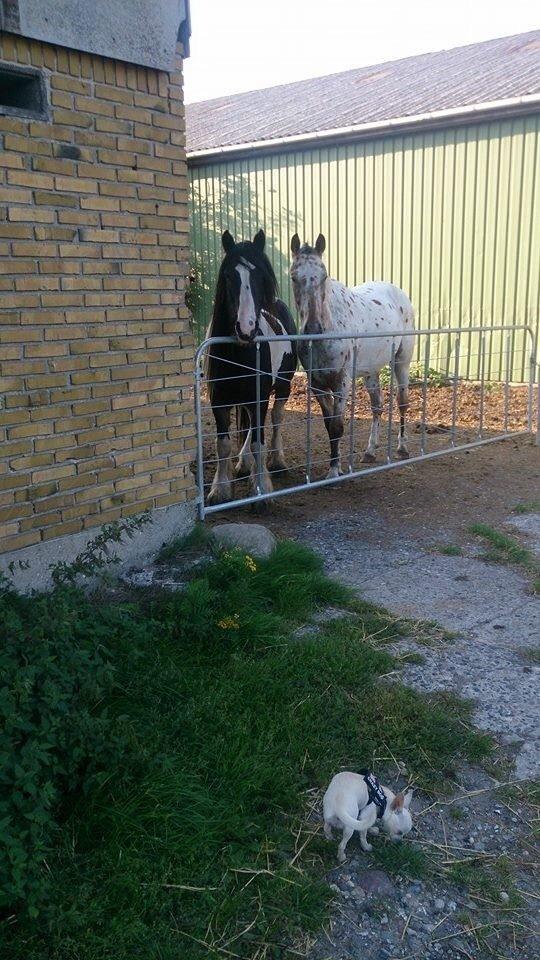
<point x="397" y="803"/>
<point x="407" y="799"/>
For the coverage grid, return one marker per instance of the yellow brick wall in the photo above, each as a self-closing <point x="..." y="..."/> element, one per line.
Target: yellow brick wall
<point x="95" y="348"/>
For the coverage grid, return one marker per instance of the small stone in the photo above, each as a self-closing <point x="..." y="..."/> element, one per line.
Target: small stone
<point x="375" y="882"/>
<point x="439" y="905"/>
<point x="384" y="919"/>
<point x="504" y="896"/>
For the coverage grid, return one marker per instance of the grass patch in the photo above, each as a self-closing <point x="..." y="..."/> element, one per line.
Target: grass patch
<point x="487" y="879"/>
<point x="183" y="845"/>
<point x="531" y="655"/>
<point x="450" y="550"/>
<point x="381" y="626"/>
<point x="193" y="542"/>
<point x="506" y="549"/>
<point x="527" y="506"/>
<point x="416" y="658"/>
<point x="400" y="859"/>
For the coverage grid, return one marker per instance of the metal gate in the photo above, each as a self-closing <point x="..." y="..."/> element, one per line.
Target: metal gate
<point x="447" y="413"/>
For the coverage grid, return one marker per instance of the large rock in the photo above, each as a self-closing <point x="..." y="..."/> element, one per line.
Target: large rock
<point x="253" y="538"/>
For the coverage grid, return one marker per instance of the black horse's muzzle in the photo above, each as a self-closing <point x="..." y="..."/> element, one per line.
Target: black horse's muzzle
<point x="246" y="340"/>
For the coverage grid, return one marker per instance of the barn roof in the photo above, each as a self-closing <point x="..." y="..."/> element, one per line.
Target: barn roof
<point x="479" y="75"/>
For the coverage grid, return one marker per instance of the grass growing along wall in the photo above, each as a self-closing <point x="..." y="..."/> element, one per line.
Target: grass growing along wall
<point x="183" y="844"/>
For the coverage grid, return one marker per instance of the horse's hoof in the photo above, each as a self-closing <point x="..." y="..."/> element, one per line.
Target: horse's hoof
<point x="403" y="454"/>
<point x="369" y="457"/>
<point x="260" y="508"/>
<point x="277" y="466"/>
<point x="333" y="473"/>
<point x="217" y="496"/>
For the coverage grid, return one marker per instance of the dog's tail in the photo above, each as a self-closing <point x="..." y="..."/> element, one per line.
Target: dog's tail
<point x="368" y="815"/>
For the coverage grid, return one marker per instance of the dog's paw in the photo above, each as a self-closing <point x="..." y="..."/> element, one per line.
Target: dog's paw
<point x="374" y="831"/>
<point x="367" y="847"/>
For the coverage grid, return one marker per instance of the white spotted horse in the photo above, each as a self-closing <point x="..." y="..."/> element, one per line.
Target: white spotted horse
<point x="327" y="306"/>
<point x="245" y="307"/>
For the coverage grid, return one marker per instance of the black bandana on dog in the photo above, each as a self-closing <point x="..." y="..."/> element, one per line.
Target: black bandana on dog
<point x="376" y="793"/>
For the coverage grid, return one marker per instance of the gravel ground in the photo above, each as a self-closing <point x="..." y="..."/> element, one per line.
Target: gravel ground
<point x="378" y="917"/>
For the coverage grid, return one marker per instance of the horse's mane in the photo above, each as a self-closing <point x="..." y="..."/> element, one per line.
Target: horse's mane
<point x="219" y="324"/>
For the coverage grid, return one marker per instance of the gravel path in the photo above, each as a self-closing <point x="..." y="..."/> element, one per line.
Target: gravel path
<point x="489" y="607"/>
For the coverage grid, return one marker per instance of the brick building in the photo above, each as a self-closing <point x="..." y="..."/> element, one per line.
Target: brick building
<point x="95" y="346"/>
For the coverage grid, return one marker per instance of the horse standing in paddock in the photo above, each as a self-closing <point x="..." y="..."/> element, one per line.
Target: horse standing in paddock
<point x="327" y="306"/>
<point x="246" y="306"/>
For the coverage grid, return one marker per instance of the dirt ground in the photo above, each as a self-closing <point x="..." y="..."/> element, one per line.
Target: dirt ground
<point x="433" y="431"/>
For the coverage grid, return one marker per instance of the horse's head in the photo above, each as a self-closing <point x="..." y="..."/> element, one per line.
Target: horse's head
<point x="247" y="285"/>
<point x="308" y="275"/>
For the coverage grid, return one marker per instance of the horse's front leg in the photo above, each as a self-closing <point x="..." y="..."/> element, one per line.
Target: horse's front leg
<point x="244" y="464"/>
<point x="332" y="407"/>
<point x="276" y="460"/>
<point x="260" y="478"/>
<point x="373" y="387"/>
<point x="402" y="377"/>
<point x="220" y="490"/>
<point x="337" y="424"/>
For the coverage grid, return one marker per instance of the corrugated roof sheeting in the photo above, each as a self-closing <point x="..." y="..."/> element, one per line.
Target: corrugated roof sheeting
<point x="495" y="70"/>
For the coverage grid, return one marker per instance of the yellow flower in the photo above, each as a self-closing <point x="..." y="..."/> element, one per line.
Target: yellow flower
<point x="229" y="623"/>
<point x="250" y="563"/>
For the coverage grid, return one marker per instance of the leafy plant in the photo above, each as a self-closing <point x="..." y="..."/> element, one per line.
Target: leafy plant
<point x="97" y="555"/>
<point x="417" y="374"/>
<point x="55" y="734"/>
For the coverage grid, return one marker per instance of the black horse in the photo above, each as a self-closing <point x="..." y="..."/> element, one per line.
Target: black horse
<point x="246" y="306"/>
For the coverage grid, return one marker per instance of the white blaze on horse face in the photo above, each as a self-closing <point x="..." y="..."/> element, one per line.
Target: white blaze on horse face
<point x="247" y="318"/>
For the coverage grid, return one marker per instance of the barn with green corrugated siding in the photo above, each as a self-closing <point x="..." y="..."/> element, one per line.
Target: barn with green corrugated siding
<point x="423" y="171"/>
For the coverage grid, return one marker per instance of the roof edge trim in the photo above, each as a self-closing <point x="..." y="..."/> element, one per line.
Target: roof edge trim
<point x="508" y="105"/>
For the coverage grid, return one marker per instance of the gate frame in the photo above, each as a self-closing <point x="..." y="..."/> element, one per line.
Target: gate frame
<point x="534" y="379"/>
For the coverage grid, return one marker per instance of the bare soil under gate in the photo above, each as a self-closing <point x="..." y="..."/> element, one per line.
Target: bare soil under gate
<point x="436" y="436"/>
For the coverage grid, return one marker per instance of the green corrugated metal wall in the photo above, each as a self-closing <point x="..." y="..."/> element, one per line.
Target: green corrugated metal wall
<point x="452" y="216"/>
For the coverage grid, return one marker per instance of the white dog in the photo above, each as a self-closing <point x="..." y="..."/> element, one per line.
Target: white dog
<point x="350" y="795"/>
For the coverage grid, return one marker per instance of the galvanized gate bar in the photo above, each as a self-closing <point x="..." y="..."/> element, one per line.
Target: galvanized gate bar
<point x="453" y="445"/>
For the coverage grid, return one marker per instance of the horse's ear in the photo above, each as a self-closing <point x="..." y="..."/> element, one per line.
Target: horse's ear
<point x="228" y="242"/>
<point x="259" y="241"/>
<point x="320" y="245"/>
<point x="295" y="244"/>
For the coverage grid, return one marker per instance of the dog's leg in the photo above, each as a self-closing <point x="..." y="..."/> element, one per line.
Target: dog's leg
<point x="328" y="831"/>
<point x="347" y="834"/>
<point x="363" y="841"/>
